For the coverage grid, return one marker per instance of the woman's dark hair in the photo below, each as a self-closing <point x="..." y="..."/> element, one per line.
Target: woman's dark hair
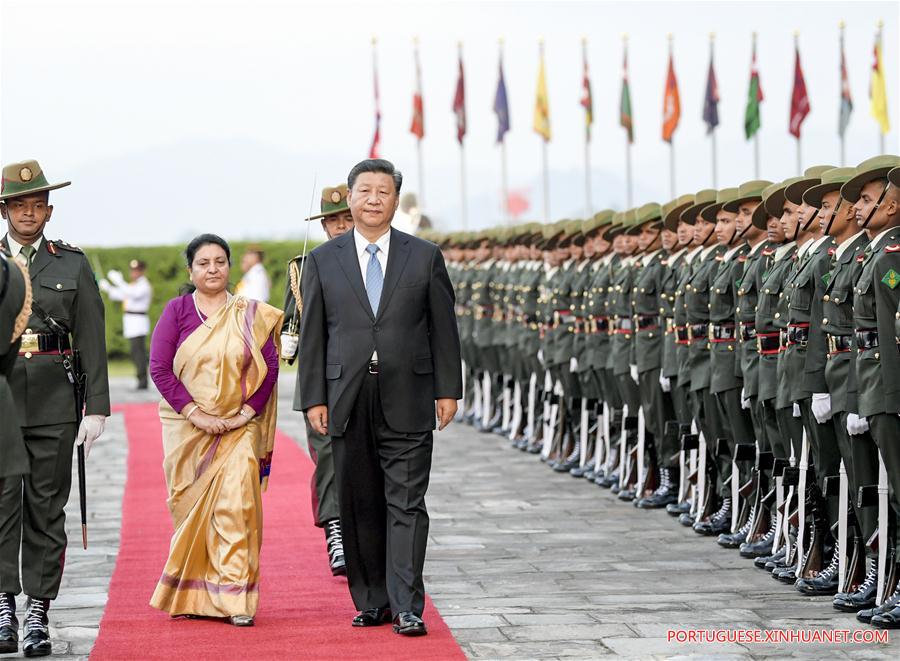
<point x="375" y="165"/>
<point x="204" y="240"/>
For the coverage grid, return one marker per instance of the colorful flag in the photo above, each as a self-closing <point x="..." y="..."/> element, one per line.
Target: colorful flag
<point x="417" y="126"/>
<point x="376" y="139"/>
<point x="671" y="103"/>
<point x="625" y="118"/>
<point x="877" y="91"/>
<point x="459" y="103"/>
<point x="587" y="100"/>
<point x="501" y="106"/>
<point x="754" y="98"/>
<point x="799" y="98"/>
<point x="711" y="98"/>
<point x="542" y="104"/>
<point x="846" y="99"/>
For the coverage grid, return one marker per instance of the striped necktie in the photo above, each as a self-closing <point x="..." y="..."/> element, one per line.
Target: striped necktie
<point x="374" y="277"/>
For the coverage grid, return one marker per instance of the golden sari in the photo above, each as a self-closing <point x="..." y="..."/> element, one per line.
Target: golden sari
<point x="215" y="483"/>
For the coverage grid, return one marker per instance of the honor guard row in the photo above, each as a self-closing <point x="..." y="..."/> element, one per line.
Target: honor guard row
<point x="730" y="356"/>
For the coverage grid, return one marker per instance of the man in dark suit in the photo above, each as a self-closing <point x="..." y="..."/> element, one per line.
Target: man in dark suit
<point x="380" y="353"/>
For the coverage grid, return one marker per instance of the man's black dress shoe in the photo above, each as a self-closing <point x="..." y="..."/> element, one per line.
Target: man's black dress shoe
<point x="372" y="617"/>
<point x="9" y="624"/>
<point x="408" y="623"/>
<point x="36" y="629"/>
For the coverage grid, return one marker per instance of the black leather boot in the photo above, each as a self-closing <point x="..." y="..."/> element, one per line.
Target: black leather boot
<point x="762" y="546"/>
<point x="666" y="493"/>
<point x="736" y="539"/>
<point x="890" y="604"/>
<point x="824" y="582"/>
<point x="36" y="629"/>
<point x="9" y="624"/>
<point x="718" y="522"/>
<point x="864" y="597"/>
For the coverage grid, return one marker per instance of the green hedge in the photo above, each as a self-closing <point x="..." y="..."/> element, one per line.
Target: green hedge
<point x="167" y="273"/>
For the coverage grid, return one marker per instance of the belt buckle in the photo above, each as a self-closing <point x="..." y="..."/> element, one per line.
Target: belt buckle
<point x="30" y="342"/>
<point x="373" y="367"/>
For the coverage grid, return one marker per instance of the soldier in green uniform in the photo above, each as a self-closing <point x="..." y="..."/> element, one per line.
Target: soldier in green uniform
<point x="876" y="205"/>
<point x="67" y="314"/>
<point x="529" y="340"/>
<point x="336" y="220"/>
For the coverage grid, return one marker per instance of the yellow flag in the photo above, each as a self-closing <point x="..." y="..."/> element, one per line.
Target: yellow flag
<point x="877" y="91"/>
<point x="542" y="104"/>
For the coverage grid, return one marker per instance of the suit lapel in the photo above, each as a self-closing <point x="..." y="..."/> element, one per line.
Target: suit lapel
<point x="349" y="263"/>
<point x="398" y="253"/>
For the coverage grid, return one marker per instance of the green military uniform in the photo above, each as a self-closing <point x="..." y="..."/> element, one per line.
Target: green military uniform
<point x="324" y="490"/>
<point x="63" y="289"/>
<point x="15" y="293"/>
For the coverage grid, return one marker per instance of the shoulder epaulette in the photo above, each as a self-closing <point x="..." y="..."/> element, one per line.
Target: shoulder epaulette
<point x="892" y="248"/>
<point x="832" y="252"/>
<point x="768" y="252"/>
<point x="52" y="245"/>
<point x="861" y="258"/>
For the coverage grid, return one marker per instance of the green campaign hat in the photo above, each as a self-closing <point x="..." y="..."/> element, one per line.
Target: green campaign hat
<point x="723" y="197"/>
<point x="597" y="221"/>
<point x="831" y="180"/>
<point x="775" y="201"/>
<point x="671" y="211"/>
<point x="812" y="176"/>
<point x="894" y="176"/>
<point x="872" y="168"/>
<point x="760" y="214"/>
<point x="648" y="213"/>
<point x="334" y="200"/>
<point x="702" y="199"/>
<point x="616" y="226"/>
<point x="747" y="192"/>
<point x="25" y="178"/>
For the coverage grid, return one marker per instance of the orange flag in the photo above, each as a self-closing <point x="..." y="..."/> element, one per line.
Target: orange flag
<point x="671" y="103"/>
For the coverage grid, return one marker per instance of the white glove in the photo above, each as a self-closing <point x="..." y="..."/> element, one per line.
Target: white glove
<point x="634" y="374"/>
<point x="541" y="356"/>
<point x="104" y="285"/>
<point x="117" y="278"/>
<point x="821" y="407"/>
<point x="89" y="431"/>
<point x="745" y="401"/>
<point x="573" y="364"/>
<point x="796" y="411"/>
<point x="289" y="346"/>
<point x="856" y="425"/>
<point x="665" y="383"/>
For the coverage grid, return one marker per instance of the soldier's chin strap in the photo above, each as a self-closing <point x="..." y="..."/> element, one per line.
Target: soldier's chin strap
<point x="833" y="215"/>
<point x="706" y="238"/>
<point x="877" y="204"/>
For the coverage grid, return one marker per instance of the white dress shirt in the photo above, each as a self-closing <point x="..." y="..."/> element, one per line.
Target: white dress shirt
<point x="255" y="284"/>
<point x="135" y="297"/>
<point x="15" y="247"/>
<point x="384" y="245"/>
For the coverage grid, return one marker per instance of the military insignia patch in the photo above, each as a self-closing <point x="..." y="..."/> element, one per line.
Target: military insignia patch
<point x="25" y="174"/>
<point x="335" y="196"/>
<point x="861" y="259"/>
<point x="893" y="248"/>
<point x="826" y="278"/>
<point x="832" y="252"/>
<point x="891" y="279"/>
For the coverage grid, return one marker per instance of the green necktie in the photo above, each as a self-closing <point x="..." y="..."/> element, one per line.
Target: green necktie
<point x="28" y="253"/>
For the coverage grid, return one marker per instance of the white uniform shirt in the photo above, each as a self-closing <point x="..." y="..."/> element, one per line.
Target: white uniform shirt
<point x="255" y="284"/>
<point x="15" y="247"/>
<point x="135" y="297"/>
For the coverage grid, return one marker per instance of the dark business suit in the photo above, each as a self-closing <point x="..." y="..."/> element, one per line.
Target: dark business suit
<point x="381" y="424"/>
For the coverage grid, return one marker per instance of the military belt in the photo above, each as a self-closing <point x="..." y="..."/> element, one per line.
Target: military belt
<point x="697" y="332"/>
<point x="622" y="325"/>
<point x="43" y="343"/>
<point x="600" y="324"/>
<point x="797" y="335"/>
<point x="681" y="335"/>
<point x="748" y="331"/>
<point x="768" y="344"/>
<point x="722" y="332"/>
<point x="866" y="339"/>
<point x="646" y="321"/>
<point x="838" y="344"/>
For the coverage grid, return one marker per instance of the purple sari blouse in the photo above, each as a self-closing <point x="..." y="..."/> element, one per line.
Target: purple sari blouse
<point x="178" y="321"/>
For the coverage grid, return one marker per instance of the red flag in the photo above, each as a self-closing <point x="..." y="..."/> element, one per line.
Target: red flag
<point x="671" y="103"/>
<point x="799" y="99"/>
<point x="459" y="103"/>
<point x="417" y="127"/>
<point x="376" y="139"/>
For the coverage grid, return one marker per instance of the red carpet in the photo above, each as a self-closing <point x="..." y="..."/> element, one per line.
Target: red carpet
<point x="304" y="612"/>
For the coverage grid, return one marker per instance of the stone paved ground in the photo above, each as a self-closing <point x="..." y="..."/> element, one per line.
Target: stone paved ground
<point x="522" y="563"/>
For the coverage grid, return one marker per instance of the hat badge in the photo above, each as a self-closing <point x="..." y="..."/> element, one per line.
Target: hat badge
<point x="25" y="174"/>
<point x="335" y="196"/>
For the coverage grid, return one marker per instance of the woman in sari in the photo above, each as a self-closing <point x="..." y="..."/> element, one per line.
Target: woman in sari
<point x="214" y="359"/>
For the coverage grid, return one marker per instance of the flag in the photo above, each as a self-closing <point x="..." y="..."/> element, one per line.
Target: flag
<point x="799" y="99"/>
<point x="754" y="98"/>
<point x="587" y="100"/>
<point x="376" y="139"/>
<point x="542" y="104"/>
<point x="671" y="103"/>
<point x="501" y="106"/>
<point x="877" y="91"/>
<point x="459" y="103"/>
<point x="846" y="100"/>
<point x="711" y="99"/>
<point x="417" y="126"/>
<point x="625" y="118"/>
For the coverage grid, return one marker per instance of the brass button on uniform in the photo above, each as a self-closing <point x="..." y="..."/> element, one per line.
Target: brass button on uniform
<point x="28" y="354"/>
<point x="59" y="285"/>
<point x="778" y="315"/>
<point x="877" y="355"/>
<point x="825" y="320"/>
<point x="826" y="298"/>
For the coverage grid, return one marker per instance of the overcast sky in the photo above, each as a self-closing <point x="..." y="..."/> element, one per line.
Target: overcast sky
<point x="178" y="117"/>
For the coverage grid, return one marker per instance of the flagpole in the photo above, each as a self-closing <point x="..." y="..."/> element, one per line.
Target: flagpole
<point x="881" y="63"/>
<point x="419" y="160"/>
<point x="544" y="155"/>
<point x="627" y="142"/>
<point x="755" y="133"/>
<point x="462" y="164"/>
<point x="588" y="206"/>
<point x="799" y="158"/>
<point x="843" y="141"/>
<point x="712" y="133"/>
<point x="671" y="140"/>
<point x="504" y="180"/>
